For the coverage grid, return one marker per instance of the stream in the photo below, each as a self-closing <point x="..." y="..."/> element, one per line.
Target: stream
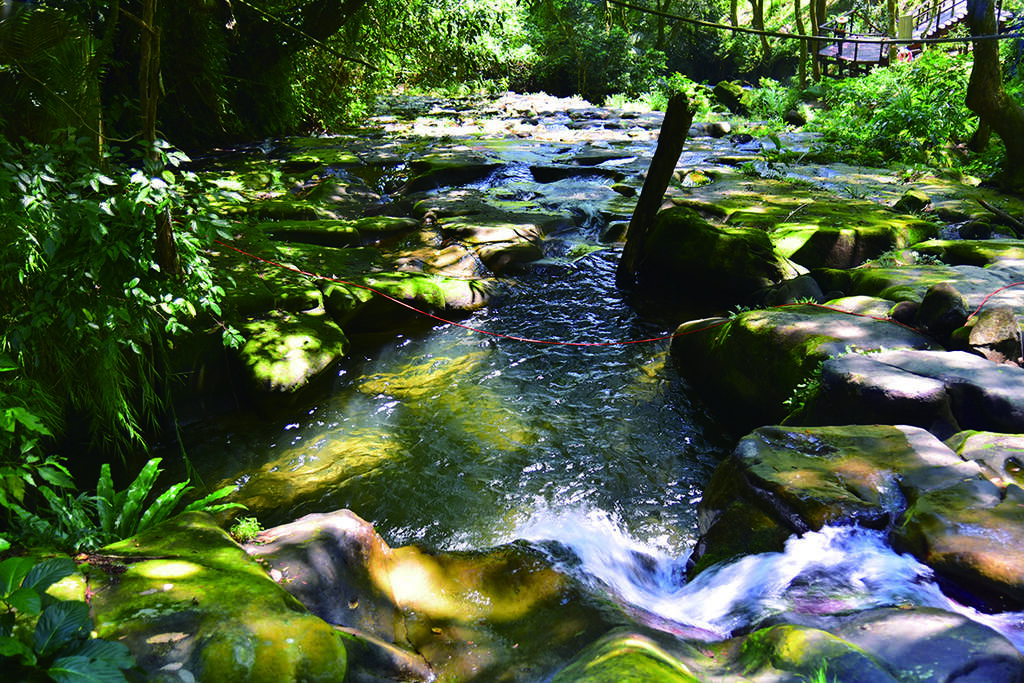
<point x="456" y="440"/>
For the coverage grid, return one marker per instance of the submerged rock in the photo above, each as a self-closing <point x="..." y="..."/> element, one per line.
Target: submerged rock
<point x="623" y="657"/>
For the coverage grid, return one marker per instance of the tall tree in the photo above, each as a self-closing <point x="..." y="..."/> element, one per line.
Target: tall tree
<point x="757" y="20"/>
<point x="986" y="96"/>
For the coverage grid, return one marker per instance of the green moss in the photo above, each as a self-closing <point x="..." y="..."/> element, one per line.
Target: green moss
<point x="630" y="658"/>
<point x="285" y="353"/>
<point x="188" y="596"/>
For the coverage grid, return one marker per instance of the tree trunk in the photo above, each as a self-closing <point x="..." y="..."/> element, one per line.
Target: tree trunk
<point x="800" y="28"/>
<point x="678" y="117"/>
<point x="734" y="12"/>
<point x="149" y="98"/>
<point x="986" y="96"/>
<point x="757" y="7"/>
<point x="890" y="8"/>
<point x="816" y="20"/>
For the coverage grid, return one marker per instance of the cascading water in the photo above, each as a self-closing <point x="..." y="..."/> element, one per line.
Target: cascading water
<point x="835" y="571"/>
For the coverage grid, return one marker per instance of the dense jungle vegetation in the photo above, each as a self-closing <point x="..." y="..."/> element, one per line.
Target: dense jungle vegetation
<point x="103" y="228"/>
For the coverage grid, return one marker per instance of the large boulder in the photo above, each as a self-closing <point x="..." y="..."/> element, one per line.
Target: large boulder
<point x="925" y="644"/>
<point x="994" y="333"/>
<point x="193" y="606"/>
<point x="287" y="352"/>
<point x="733" y="97"/>
<point x="971" y="533"/>
<point x="684" y="253"/>
<point x="800" y="479"/>
<point x="499" y="615"/>
<point x="943" y="392"/>
<point x="748" y="366"/>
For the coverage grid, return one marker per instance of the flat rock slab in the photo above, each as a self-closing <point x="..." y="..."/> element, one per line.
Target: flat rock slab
<point x="909" y="283"/>
<point x="746" y="367"/>
<point x="975" y="252"/>
<point x="983" y="395"/>
<point x="944" y="392"/>
<point x="283" y="354"/>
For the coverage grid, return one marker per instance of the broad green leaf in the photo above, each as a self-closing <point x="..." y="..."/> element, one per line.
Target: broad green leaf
<point x="4" y="544"/>
<point x="105" y="499"/>
<point x="163" y="506"/>
<point x="12" y="647"/>
<point x="203" y="503"/>
<point x="49" y="572"/>
<point x="12" y="571"/>
<point x="29" y="420"/>
<point x="59" y="624"/>
<point x="56" y="476"/>
<point x="26" y="600"/>
<point x="81" y="669"/>
<point x="128" y="520"/>
<point x="108" y="651"/>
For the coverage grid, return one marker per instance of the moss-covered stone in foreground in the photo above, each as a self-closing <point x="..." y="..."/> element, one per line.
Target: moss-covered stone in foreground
<point x="188" y="600"/>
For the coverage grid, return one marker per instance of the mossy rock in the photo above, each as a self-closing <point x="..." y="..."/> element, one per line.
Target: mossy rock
<point x="625" y="658"/>
<point x="975" y="252"/>
<point x="748" y="366"/>
<point x="188" y="600"/>
<point x="327" y="233"/>
<point x="807" y="652"/>
<point x="725" y="264"/>
<point x="283" y="354"/>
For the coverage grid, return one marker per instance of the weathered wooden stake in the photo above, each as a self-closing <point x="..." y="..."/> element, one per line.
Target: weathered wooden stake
<point x="678" y="117"/>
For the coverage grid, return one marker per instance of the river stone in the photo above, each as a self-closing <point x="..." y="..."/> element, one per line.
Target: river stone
<point x="442" y="169"/>
<point x="800" y="479"/>
<point x="994" y="333"/>
<point x="685" y="253"/>
<point x="925" y="644"/>
<point x="748" y="366"/>
<point x="191" y="605"/>
<point x="856" y="389"/>
<point x="501" y="240"/>
<point x="1001" y="456"/>
<point x="284" y="353"/>
<point x="806" y="651"/>
<point x="625" y="657"/>
<point x="943" y="309"/>
<point x="985" y="395"/>
<point x="972" y="534"/>
<point x="975" y="252"/>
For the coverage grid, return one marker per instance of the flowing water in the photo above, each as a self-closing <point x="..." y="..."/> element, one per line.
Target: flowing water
<point x="455" y="439"/>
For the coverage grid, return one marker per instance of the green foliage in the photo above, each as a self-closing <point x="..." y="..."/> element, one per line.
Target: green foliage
<point x="85" y="313"/>
<point x="59" y="647"/>
<point x="85" y="522"/>
<point x="245" y="529"/>
<point x="583" y="53"/>
<point x="910" y="112"/>
<point x="804" y="391"/>
<point x="771" y="100"/>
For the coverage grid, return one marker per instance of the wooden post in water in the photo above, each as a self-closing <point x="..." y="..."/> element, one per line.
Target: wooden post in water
<point x="678" y="117"/>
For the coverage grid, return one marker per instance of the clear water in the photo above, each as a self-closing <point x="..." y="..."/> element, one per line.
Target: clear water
<point x="454" y="439"/>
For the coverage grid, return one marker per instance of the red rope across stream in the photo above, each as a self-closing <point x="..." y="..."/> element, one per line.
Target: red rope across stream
<point x="549" y="342"/>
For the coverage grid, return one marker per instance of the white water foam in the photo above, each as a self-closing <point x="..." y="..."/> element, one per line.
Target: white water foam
<point x="835" y="570"/>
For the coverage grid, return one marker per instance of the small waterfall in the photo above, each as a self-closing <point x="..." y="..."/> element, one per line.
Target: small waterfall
<point x="836" y="570"/>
